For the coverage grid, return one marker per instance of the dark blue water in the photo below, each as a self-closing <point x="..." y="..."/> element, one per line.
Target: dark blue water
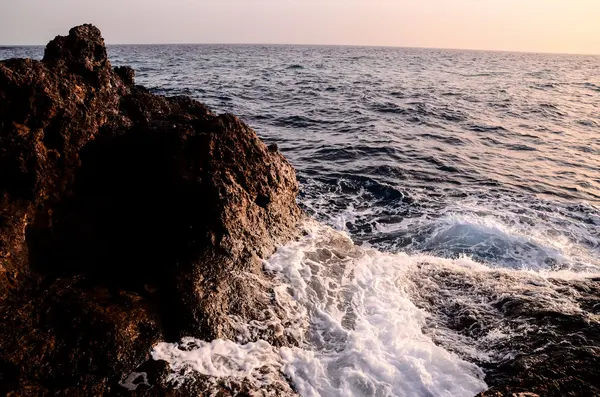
<point x="493" y="155"/>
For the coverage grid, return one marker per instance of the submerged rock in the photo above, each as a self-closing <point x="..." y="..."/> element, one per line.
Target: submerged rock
<point x="532" y="335"/>
<point x="560" y="353"/>
<point x="125" y="218"/>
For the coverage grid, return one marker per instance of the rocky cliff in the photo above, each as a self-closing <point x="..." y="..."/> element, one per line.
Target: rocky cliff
<point x="125" y="218"/>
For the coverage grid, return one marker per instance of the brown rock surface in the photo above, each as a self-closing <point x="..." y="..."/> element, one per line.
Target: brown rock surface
<point x="125" y="218"/>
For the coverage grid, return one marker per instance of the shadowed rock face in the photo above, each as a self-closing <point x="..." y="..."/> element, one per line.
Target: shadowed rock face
<point x="125" y="218"/>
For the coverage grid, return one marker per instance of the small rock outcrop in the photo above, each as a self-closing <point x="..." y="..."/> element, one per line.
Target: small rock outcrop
<point x="125" y="218"/>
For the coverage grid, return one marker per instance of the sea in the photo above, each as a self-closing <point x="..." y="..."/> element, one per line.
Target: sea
<point x="434" y="179"/>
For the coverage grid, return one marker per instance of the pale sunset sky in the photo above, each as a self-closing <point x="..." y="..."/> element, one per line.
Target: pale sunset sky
<point x="562" y="26"/>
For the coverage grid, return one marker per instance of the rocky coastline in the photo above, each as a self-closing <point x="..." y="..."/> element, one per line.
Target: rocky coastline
<point x="129" y="218"/>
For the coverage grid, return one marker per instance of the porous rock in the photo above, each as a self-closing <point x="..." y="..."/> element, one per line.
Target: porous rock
<point x="125" y="218"/>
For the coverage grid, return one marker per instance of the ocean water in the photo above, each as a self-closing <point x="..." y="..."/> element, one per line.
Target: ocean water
<point x="422" y="170"/>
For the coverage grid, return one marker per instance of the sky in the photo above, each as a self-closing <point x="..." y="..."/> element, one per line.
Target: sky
<point x="560" y="26"/>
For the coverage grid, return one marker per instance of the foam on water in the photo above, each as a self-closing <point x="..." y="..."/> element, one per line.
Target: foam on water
<point x="219" y="359"/>
<point x="501" y="231"/>
<point x="370" y="323"/>
<point x="517" y="246"/>
<point x="362" y="337"/>
<point x="365" y="336"/>
<point x="525" y="237"/>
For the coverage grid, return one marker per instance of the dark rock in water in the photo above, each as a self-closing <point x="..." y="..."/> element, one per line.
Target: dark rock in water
<point x="552" y="343"/>
<point x="125" y="218"/>
<point x="560" y="355"/>
<point x="554" y="371"/>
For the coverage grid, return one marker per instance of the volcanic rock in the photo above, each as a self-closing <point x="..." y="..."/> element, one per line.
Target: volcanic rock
<point x="125" y="218"/>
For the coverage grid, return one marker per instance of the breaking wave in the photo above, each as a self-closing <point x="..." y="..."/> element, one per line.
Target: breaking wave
<point x="371" y="323"/>
<point x="358" y="331"/>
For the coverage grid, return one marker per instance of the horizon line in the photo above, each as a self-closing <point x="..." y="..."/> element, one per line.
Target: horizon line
<point x="331" y="45"/>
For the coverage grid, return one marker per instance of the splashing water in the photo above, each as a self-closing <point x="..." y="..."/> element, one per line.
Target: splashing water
<point x="370" y="323"/>
<point x="362" y="337"/>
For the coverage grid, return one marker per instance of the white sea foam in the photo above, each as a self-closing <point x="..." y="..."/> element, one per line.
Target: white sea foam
<point x="522" y="238"/>
<point x="369" y="323"/>
<point x="219" y="359"/>
<point x="363" y="335"/>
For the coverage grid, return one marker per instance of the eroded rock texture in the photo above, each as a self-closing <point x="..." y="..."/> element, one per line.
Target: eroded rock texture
<point x="125" y="218"/>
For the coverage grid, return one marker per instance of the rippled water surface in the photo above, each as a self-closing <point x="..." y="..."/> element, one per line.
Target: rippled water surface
<point x="474" y="175"/>
<point x="494" y="155"/>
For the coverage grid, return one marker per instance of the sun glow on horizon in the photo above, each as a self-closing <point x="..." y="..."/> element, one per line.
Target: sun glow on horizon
<point x="560" y="26"/>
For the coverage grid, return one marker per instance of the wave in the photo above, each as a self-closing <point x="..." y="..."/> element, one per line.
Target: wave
<point x="369" y="323"/>
<point x="545" y="86"/>
<point x="299" y="121"/>
<point x="446" y="113"/>
<point x="486" y="128"/>
<point x="359" y="333"/>
<point x="388" y="107"/>
<point x="500" y="230"/>
<point x="592" y="86"/>
<point x="588" y="123"/>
